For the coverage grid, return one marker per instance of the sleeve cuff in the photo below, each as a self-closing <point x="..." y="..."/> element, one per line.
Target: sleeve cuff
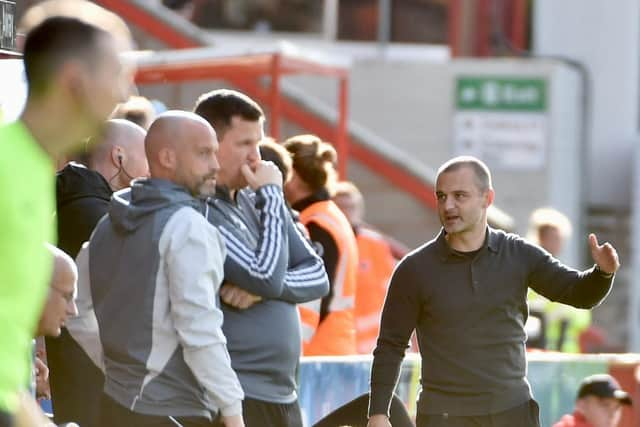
<point x="378" y="406"/>
<point x="603" y="274"/>
<point x="231" y="410"/>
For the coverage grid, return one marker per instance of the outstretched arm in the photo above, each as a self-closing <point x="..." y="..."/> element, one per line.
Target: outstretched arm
<point x="582" y="289"/>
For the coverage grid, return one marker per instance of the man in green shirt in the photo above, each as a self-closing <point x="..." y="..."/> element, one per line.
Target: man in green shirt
<point x="75" y="79"/>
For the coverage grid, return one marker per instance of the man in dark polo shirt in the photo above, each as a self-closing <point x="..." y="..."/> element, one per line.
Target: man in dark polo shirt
<point x="465" y="294"/>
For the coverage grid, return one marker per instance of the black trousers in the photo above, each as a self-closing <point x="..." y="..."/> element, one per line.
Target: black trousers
<point x="76" y="382"/>
<point x="525" y="415"/>
<point x="113" y="414"/>
<point x="258" y="413"/>
<point x="354" y="413"/>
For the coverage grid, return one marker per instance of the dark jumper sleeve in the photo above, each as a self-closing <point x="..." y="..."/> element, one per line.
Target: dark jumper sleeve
<point x="399" y="319"/>
<point x="556" y="281"/>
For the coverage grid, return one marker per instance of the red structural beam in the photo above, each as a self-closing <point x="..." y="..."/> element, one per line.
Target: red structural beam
<point x="519" y="25"/>
<point x="454" y="31"/>
<point x="174" y="38"/>
<point x="218" y="68"/>
<point x="394" y="173"/>
<point x="274" y="96"/>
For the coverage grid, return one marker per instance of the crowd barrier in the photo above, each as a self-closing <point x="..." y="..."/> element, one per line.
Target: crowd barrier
<point x="327" y="382"/>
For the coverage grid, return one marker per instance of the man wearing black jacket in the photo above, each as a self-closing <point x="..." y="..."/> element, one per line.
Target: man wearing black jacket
<point x="465" y="294"/>
<point x="82" y="198"/>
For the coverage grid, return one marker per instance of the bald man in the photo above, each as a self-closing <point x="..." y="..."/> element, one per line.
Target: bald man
<point x="60" y="303"/>
<point x="117" y="157"/>
<point x="154" y="267"/>
<point x="59" y="306"/>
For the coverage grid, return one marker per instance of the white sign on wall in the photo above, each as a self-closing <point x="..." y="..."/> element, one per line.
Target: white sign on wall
<point x="502" y="121"/>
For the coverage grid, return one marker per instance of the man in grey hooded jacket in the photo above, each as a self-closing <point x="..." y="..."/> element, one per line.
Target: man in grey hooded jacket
<point x="155" y="266"/>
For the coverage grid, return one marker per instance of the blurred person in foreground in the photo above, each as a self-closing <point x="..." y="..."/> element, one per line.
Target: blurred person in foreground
<point x="330" y="328"/>
<point x="116" y="156"/>
<point x="598" y="404"/>
<point x="75" y="78"/>
<point x="156" y="303"/>
<point x="465" y="294"/>
<point x="270" y="266"/>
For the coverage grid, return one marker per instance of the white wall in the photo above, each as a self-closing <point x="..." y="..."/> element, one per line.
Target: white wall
<point x="604" y="36"/>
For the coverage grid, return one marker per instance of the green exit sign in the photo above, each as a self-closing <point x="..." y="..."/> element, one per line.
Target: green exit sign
<point x="501" y="94"/>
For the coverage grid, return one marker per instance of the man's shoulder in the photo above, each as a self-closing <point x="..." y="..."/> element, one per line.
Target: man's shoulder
<point x="498" y="238"/>
<point x="423" y="253"/>
<point x="75" y="181"/>
<point x="186" y="224"/>
<point x="187" y="214"/>
<point x="19" y="151"/>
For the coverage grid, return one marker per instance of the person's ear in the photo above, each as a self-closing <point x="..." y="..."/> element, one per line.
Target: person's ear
<point x="489" y="196"/>
<point x="117" y="156"/>
<point x="167" y="158"/>
<point x="72" y="77"/>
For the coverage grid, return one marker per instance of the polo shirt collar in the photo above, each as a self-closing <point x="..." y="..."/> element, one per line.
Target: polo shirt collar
<point x="491" y="242"/>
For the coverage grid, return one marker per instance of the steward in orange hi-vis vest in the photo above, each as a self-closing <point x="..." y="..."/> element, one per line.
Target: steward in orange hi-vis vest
<point x="375" y="266"/>
<point x="335" y="334"/>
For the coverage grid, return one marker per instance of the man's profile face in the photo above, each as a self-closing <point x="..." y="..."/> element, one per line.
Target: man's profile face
<point x="197" y="165"/>
<point x="60" y="305"/>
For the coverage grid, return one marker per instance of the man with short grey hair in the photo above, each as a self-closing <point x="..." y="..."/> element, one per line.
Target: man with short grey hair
<point x="465" y="294"/>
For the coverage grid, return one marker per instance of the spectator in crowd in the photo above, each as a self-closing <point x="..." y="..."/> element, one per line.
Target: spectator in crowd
<point x="271" y="151"/>
<point x="75" y="78"/>
<point x="309" y="191"/>
<point x="270" y="266"/>
<point x="598" y="404"/>
<point x="375" y="265"/>
<point x="465" y="293"/>
<point x="165" y="356"/>
<point x="115" y="157"/>
<point x="138" y="110"/>
<point x="560" y="325"/>
<point x="82" y="197"/>
<point x="60" y="304"/>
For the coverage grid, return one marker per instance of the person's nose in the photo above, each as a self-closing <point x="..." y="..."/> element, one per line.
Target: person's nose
<point x="448" y="203"/>
<point x="214" y="164"/>
<point x="254" y="155"/>
<point x="72" y="308"/>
